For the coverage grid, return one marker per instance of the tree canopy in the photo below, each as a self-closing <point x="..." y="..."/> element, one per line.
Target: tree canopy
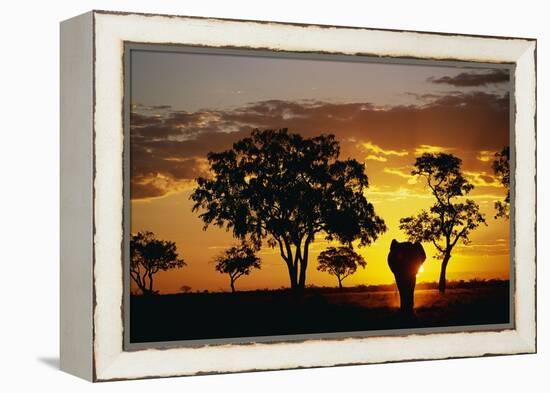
<point x="287" y="189"/>
<point x="501" y="168"/>
<point x="236" y="262"/>
<point x="341" y="262"/>
<point x="149" y="255"/>
<point x="451" y="218"/>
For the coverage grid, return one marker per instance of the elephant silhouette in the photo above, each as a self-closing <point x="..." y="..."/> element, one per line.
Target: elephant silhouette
<point x="404" y="260"/>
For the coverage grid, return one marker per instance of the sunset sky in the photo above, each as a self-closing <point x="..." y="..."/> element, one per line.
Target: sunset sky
<point x="185" y="105"/>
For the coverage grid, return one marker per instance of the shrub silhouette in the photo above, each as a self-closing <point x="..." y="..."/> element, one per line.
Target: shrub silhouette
<point x="148" y="256"/>
<point x="236" y="262"/>
<point x="341" y="262"/>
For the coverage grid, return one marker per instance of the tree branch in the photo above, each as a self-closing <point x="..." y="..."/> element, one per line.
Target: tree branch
<point x="288" y="252"/>
<point x="437" y="245"/>
<point x="460" y="234"/>
<point x="281" y="251"/>
<point x="428" y="178"/>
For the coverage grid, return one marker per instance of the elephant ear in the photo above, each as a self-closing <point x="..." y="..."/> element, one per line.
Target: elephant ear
<point x="420" y="250"/>
<point x="394" y="244"/>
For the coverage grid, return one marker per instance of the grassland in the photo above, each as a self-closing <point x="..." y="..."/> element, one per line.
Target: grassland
<point x="202" y="315"/>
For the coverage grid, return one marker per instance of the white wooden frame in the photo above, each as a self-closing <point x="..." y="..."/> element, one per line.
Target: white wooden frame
<point x="92" y="91"/>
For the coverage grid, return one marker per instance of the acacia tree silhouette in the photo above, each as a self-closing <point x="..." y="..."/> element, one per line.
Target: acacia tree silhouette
<point x="448" y="220"/>
<point x="236" y="262"/>
<point x="341" y="262"/>
<point x="287" y="189"/>
<point x="148" y="256"/>
<point x="501" y="168"/>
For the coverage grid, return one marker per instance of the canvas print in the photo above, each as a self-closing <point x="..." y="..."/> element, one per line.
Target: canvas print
<point x="275" y="196"/>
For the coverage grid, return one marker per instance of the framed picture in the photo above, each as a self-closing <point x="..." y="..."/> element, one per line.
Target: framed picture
<point x="245" y="195"/>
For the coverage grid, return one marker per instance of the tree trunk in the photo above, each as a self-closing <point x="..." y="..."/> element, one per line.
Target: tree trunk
<point x="303" y="264"/>
<point x="442" y="275"/>
<point x="339" y="283"/>
<point x="232" y="285"/>
<point x="288" y="261"/>
<point x="297" y="265"/>
<point x="140" y="284"/>
<point x="302" y="281"/>
<point x="150" y="283"/>
<point x="292" y="277"/>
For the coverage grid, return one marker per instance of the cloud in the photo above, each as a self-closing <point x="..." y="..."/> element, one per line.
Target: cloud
<point x="369" y="146"/>
<point x="157" y="186"/>
<point x="470" y="79"/>
<point x="484" y="197"/>
<point x="431" y="149"/>
<point x="373" y="157"/>
<point x="477" y="249"/>
<point x="402" y="172"/>
<point x="486" y="155"/>
<point x="224" y="247"/>
<point x="158" y="176"/>
<point x="169" y="147"/>
<point x="141" y="120"/>
<point x="482" y="179"/>
<point x="402" y="193"/>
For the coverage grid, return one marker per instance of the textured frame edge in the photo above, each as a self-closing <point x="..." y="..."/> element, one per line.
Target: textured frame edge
<point x="76" y="193"/>
<point x="111" y="363"/>
<point x="129" y="47"/>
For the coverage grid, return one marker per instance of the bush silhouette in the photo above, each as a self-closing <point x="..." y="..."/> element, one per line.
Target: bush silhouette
<point x="236" y="262"/>
<point x="341" y="262"/>
<point x="149" y="255"/>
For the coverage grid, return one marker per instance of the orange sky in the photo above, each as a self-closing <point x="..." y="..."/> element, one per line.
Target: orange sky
<point x="392" y="114"/>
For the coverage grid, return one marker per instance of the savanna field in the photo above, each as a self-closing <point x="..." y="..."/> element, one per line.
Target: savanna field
<point x="202" y="315"/>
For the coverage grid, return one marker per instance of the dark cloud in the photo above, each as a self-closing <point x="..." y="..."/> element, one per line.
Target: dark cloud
<point x="469" y="79"/>
<point x="169" y="151"/>
<point x="141" y="120"/>
<point x="156" y="131"/>
<point x="146" y="190"/>
<point x="183" y="118"/>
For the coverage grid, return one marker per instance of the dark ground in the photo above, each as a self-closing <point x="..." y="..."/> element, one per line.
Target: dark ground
<point x="268" y="313"/>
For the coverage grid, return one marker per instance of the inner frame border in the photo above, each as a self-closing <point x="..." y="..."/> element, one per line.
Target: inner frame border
<point x="129" y="46"/>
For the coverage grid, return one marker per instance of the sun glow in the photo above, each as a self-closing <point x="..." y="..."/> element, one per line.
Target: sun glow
<point x="383" y="127"/>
